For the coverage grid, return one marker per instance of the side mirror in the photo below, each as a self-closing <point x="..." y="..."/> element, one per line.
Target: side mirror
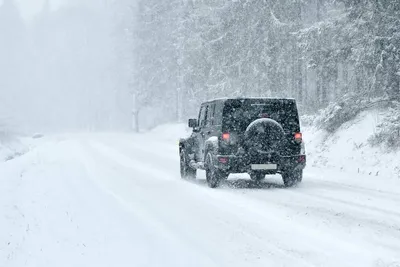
<point x="192" y="123"/>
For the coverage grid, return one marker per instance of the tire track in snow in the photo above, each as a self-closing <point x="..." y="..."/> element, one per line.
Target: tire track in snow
<point x="122" y="159"/>
<point x="357" y="207"/>
<point x="130" y="205"/>
<point x="351" y="188"/>
<point x="131" y="150"/>
<point x="165" y="152"/>
<point x="268" y="218"/>
<point x="120" y="184"/>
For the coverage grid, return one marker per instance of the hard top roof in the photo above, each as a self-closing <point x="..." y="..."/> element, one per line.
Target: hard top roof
<point x="224" y="99"/>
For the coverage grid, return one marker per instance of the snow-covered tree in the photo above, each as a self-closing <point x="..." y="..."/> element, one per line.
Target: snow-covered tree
<point x="315" y="51"/>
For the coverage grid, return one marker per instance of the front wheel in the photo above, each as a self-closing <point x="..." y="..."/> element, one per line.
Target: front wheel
<point x="187" y="172"/>
<point x="292" y="178"/>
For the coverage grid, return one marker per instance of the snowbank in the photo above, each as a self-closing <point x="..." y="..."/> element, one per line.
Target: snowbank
<point x="14" y="144"/>
<point x="348" y="148"/>
<point x="11" y="147"/>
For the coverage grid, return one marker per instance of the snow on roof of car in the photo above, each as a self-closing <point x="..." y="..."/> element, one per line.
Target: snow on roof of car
<point x="244" y="98"/>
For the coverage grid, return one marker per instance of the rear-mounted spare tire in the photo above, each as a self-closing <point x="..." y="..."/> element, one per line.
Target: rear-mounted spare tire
<point x="264" y="136"/>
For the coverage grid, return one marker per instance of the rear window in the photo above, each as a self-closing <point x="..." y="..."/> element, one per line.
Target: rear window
<point x="238" y="114"/>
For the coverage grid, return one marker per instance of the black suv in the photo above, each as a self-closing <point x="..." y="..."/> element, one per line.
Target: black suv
<point x="258" y="136"/>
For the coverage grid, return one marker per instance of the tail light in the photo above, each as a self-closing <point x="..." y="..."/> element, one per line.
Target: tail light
<point x="301" y="159"/>
<point x="298" y="137"/>
<point x="226" y="136"/>
<point x="223" y="160"/>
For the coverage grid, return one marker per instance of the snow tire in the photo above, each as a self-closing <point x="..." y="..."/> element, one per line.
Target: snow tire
<point x="292" y="178"/>
<point x="213" y="175"/>
<point x="187" y="172"/>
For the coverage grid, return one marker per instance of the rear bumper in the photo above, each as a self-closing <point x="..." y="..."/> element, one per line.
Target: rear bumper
<point x="235" y="164"/>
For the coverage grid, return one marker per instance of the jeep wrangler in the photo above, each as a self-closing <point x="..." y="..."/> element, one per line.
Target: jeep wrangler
<point x="258" y="136"/>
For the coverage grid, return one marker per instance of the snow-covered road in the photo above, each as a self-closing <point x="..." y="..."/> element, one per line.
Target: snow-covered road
<point x="117" y="200"/>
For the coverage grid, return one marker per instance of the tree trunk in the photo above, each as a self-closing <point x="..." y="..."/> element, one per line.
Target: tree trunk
<point x="293" y="83"/>
<point x="318" y="86"/>
<point x="336" y="90"/>
<point x="305" y="87"/>
<point x="324" y="87"/>
<point x="299" y="74"/>
<point x="345" y="79"/>
<point x="135" y="112"/>
<point x="136" y="121"/>
<point x="318" y="11"/>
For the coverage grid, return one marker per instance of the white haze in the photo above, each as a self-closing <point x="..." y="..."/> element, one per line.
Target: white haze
<point x="30" y="8"/>
<point x="62" y="67"/>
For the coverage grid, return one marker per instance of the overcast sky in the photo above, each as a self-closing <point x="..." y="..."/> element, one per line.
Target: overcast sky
<point x="30" y="7"/>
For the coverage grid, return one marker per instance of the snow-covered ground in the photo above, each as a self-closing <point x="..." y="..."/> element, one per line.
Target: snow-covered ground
<point x="348" y="149"/>
<point x="117" y="200"/>
<point x="12" y="146"/>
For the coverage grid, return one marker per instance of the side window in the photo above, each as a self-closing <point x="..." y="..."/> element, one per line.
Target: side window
<point x="202" y="116"/>
<point x="218" y="109"/>
<point x="206" y="115"/>
<point x="210" y="114"/>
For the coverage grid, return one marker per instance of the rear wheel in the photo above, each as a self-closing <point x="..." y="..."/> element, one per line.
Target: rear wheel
<point x="187" y="172"/>
<point x="214" y="176"/>
<point x="292" y="178"/>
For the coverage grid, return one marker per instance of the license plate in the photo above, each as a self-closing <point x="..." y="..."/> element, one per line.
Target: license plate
<point x="264" y="166"/>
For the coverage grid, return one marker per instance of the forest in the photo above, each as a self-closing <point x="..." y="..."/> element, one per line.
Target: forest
<point x="158" y="60"/>
<point x="317" y="51"/>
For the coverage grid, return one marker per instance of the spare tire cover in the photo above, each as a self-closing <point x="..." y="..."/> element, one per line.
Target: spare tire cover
<point x="264" y="136"/>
